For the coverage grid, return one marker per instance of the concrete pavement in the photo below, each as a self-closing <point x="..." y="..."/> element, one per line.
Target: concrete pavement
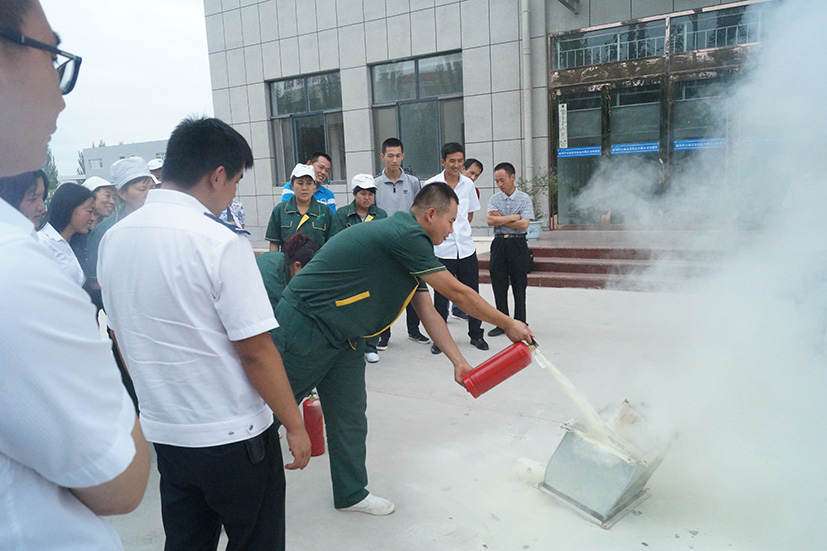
<point x="742" y="473"/>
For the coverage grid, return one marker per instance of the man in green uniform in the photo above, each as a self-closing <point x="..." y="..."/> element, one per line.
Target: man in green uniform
<point x="302" y="212"/>
<point x="361" y="209"/>
<point x="339" y="298"/>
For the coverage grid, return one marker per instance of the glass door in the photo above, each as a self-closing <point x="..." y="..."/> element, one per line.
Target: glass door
<point x="579" y="147"/>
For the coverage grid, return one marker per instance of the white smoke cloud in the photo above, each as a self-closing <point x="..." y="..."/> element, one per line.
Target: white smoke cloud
<point x="747" y="385"/>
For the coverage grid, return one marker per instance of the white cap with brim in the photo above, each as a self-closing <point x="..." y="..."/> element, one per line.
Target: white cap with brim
<point x="94" y="183"/>
<point x="155" y="164"/>
<point x="125" y="170"/>
<point x="303" y="170"/>
<point x="364" y="181"/>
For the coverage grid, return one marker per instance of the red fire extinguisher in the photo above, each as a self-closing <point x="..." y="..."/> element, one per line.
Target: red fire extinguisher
<point x="498" y="368"/>
<point x="314" y="423"/>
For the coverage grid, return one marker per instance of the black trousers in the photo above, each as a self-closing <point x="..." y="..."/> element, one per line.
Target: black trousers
<point x="509" y="266"/>
<point x="239" y="486"/>
<point x="412" y="320"/>
<point x="467" y="271"/>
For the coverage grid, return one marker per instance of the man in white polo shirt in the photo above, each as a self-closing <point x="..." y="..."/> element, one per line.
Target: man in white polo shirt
<point x="192" y="318"/>
<point x="458" y="252"/>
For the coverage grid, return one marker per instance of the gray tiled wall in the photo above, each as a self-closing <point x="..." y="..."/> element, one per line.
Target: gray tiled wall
<point x="253" y="41"/>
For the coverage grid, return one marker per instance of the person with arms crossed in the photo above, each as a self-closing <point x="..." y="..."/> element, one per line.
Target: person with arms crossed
<point x="509" y="212"/>
<point x="198" y="347"/>
<point x="71" y="448"/>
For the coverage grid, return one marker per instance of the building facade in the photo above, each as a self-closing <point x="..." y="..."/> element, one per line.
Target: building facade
<point x="548" y="85"/>
<point x="98" y="160"/>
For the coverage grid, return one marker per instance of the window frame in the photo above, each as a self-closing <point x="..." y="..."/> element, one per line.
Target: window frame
<point x="276" y="121"/>
<point x="398" y="104"/>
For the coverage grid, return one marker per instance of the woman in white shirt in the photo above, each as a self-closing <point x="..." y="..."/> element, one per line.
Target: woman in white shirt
<point x="27" y="193"/>
<point x="71" y="213"/>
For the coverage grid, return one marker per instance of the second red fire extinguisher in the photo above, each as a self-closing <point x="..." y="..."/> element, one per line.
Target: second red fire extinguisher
<point x="314" y="423"/>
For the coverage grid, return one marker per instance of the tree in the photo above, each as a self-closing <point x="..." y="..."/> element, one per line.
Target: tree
<point x="51" y="170"/>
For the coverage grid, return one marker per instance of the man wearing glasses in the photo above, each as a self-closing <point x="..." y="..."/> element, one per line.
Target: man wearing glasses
<point x="71" y="447"/>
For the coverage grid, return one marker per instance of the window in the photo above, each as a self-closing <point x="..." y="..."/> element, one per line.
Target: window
<point x="713" y="28"/>
<point x="717" y="29"/>
<point x="95" y="163"/>
<point x="306" y="115"/>
<point x="609" y="45"/>
<point x="420" y="102"/>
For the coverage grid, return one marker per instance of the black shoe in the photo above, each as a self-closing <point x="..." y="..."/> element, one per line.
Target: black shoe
<point x="420" y="338"/>
<point x="496" y="332"/>
<point x="382" y="344"/>
<point x="435" y="349"/>
<point x="479" y="343"/>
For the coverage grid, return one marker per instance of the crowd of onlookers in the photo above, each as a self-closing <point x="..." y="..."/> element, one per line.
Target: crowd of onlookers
<point x="214" y="365"/>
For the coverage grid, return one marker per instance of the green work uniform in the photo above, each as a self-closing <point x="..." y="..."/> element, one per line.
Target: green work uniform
<point x="346" y="217"/>
<point x="338" y="298"/>
<point x="286" y="220"/>
<point x="94" y="241"/>
<point x="275" y="274"/>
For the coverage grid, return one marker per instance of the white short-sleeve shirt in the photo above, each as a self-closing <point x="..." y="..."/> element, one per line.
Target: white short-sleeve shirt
<point x="179" y="287"/>
<point x="65" y="418"/>
<point x="460" y="243"/>
<point x="63" y="253"/>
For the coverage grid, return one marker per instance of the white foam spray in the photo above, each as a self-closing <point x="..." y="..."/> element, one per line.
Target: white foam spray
<point x="746" y="385"/>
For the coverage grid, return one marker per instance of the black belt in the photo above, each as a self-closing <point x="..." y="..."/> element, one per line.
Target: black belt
<point x="510" y="235"/>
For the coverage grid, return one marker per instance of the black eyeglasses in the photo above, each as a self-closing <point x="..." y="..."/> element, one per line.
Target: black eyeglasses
<point x="67" y="69"/>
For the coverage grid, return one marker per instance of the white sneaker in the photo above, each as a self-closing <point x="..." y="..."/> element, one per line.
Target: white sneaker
<point x="371" y="357"/>
<point x="372" y="505"/>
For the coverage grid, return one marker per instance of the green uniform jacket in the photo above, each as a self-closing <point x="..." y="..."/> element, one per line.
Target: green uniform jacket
<point x="362" y="279"/>
<point x="275" y="274"/>
<point x="286" y="220"/>
<point x="346" y="217"/>
<point x="94" y="241"/>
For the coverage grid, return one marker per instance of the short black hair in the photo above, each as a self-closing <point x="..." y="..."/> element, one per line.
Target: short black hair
<point x="12" y="13"/>
<point x="392" y="142"/>
<point x="437" y="195"/>
<point x="507" y="167"/>
<point x="14" y="188"/>
<point x="198" y="146"/>
<point x="317" y="154"/>
<point x="357" y="189"/>
<point x="65" y="200"/>
<point x="471" y="162"/>
<point x="299" y="248"/>
<point x="450" y="148"/>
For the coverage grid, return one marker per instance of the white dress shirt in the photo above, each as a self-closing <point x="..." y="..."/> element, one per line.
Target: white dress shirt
<point x="65" y="418"/>
<point x="179" y="286"/>
<point x="459" y="244"/>
<point x="63" y="253"/>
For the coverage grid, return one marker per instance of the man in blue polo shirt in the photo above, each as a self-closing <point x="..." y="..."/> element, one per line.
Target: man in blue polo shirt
<point x="321" y="164"/>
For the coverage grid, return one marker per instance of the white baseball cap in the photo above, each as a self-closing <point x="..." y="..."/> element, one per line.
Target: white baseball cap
<point x="303" y="170"/>
<point x="364" y="181"/>
<point x="155" y="164"/>
<point x="125" y="170"/>
<point x="93" y="183"/>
